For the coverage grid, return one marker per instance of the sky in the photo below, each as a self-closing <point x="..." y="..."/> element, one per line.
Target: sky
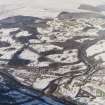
<point x="42" y="8"/>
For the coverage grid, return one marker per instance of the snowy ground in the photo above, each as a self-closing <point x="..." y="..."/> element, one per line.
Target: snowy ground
<point x="59" y="53"/>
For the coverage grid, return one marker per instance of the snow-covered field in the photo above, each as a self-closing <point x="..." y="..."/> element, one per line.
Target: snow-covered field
<point x="55" y="46"/>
